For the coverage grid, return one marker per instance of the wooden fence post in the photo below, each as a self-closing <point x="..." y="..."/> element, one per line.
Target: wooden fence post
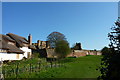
<point x="17" y="70"/>
<point x="55" y="64"/>
<point x="1" y="74"/>
<point x="3" y="71"/>
<point x="51" y="63"/>
<point x="12" y="70"/>
<point x="58" y="63"/>
<point x="39" y="65"/>
<point x="30" y="67"/>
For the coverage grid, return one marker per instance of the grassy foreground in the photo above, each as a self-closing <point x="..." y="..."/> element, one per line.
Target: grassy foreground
<point x="82" y="67"/>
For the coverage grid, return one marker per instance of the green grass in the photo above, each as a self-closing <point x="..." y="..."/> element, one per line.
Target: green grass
<point x="82" y="67"/>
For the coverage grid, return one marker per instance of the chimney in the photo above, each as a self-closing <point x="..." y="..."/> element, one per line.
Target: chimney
<point x="30" y="39"/>
<point x="38" y="42"/>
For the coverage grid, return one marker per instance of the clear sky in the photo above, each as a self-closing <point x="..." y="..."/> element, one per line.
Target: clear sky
<point x="85" y="22"/>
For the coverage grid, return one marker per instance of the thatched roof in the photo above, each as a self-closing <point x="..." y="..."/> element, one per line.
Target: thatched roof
<point x="5" y="37"/>
<point x="21" y="41"/>
<point x="11" y="48"/>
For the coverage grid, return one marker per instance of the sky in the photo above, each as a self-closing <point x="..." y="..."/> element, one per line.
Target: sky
<point x="60" y="0"/>
<point x="84" y="22"/>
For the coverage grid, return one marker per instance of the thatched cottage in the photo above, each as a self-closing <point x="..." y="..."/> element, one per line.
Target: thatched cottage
<point x="14" y="47"/>
<point x="8" y="49"/>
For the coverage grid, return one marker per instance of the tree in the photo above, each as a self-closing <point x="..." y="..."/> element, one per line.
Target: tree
<point x="54" y="37"/>
<point x="62" y="48"/>
<point x="58" y="41"/>
<point x="110" y="66"/>
<point x="105" y="51"/>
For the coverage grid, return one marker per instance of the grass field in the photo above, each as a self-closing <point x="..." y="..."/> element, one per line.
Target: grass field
<point x="82" y="67"/>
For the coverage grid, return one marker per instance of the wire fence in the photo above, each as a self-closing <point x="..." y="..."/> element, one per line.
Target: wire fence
<point x="19" y="68"/>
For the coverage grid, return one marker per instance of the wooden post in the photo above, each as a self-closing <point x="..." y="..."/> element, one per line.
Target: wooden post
<point x="13" y="70"/>
<point x="1" y="75"/>
<point x="17" y="70"/>
<point x="59" y="63"/>
<point x="4" y="73"/>
<point x="63" y="63"/>
<point x="55" y="64"/>
<point x="51" y="63"/>
<point x="30" y="67"/>
<point x="39" y="65"/>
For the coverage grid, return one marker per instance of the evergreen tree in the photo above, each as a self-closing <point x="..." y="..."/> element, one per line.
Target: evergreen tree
<point x="110" y="66"/>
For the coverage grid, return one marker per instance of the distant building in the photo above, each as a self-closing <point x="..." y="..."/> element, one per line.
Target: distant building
<point x="77" y="51"/>
<point x="43" y="48"/>
<point x="41" y="44"/>
<point x="77" y="46"/>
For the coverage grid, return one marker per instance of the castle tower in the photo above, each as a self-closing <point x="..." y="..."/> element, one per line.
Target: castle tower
<point x="39" y="43"/>
<point x="78" y="46"/>
<point x="30" y="39"/>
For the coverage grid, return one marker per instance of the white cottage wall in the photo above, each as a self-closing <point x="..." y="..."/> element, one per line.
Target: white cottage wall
<point x="27" y="52"/>
<point x="10" y="56"/>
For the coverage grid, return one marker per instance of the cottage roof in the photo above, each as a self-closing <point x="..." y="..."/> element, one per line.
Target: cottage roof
<point x="6" y="38"/>
<point x="21" y="41"/>
<point x="11" y="48"/>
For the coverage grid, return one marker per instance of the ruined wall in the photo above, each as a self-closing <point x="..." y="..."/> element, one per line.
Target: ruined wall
<point x="51" y="53"/>
<point x="77" y="53"/>
<point x="41" y="44"/>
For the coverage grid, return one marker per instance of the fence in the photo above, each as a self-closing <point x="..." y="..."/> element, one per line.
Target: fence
<point x="15" y="70"/>
<point x="1" y="75"/>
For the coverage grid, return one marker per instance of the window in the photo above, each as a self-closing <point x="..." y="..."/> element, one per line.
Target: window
<point x="17" y="56"/>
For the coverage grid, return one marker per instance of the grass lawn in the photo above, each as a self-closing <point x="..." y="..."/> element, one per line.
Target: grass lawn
<point x="82" y="67"/>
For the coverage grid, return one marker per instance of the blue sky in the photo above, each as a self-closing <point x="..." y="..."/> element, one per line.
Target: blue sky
<point x="85" y="22"/>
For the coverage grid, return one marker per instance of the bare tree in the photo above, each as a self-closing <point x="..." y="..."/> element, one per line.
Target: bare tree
<point x="54" y="37"/>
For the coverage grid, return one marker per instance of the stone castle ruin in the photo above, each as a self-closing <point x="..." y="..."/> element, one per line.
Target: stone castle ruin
<point x="41" y="44"/>
<point x="43" y="48"/>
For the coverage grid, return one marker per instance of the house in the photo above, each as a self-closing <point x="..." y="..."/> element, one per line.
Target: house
<point x="14" y="47"/>
<point x="23" y="44"/>
<point x="8" y="49"/>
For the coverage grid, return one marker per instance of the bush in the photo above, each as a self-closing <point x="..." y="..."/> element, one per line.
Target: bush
<point x="35" y="55"/>
<point x="62" y="48"/>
